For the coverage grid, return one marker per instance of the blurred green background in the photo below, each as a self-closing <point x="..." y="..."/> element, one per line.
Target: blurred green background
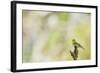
<point x="47" y="35"/>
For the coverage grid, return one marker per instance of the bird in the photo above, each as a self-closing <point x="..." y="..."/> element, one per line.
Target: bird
<point x="76" y="44"/>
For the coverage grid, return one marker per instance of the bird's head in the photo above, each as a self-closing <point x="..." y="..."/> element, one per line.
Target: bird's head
<point x="73" y="40"/>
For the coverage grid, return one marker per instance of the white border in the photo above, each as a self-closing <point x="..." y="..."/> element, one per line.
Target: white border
<point x="21" y="66"/>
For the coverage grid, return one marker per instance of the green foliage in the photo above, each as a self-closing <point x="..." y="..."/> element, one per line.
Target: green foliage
<point x="63" y="16"/>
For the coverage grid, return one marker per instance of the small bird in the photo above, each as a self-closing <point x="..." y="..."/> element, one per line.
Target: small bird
<point x="76" y="44"/>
